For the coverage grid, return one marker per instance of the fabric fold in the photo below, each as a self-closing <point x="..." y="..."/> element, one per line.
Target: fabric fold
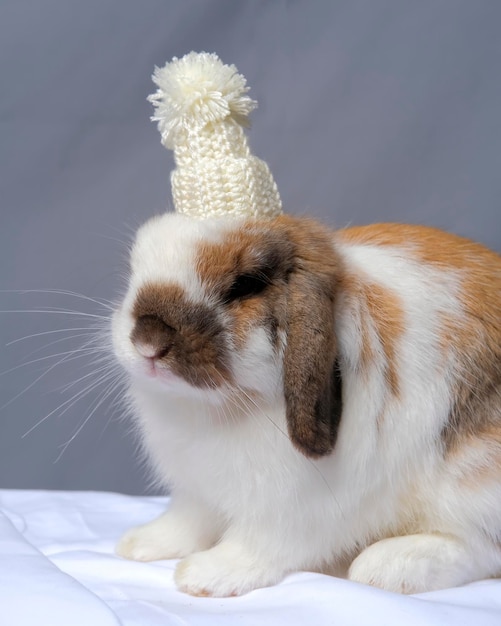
<point x="34" y="591"/>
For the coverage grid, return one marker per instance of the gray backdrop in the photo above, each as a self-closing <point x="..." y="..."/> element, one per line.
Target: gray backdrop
<point x="369" y="111"/>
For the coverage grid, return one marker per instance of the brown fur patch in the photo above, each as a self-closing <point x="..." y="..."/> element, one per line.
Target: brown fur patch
<point x="430" y="245"/>
<point x="381" y="310"/>
<point x="386" y="313"/>
<point x="253" y="249"/>
<point x="353" y="292"/>
<point x="195" y="337"/>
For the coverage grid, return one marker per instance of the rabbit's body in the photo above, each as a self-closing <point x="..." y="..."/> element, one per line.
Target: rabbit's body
<point x="313" y="396"/>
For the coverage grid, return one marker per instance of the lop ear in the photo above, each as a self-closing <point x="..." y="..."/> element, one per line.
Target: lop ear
<point x="312" y="379"/>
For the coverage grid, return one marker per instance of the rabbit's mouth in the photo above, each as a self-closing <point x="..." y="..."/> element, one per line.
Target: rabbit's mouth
<point x="153" y="368"/>
<point x="150" y="369"/>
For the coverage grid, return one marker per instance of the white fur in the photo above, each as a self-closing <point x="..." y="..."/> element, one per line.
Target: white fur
<point x="248" y="508"/>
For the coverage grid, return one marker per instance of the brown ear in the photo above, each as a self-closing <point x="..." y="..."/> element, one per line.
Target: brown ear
<point x="312" y="381"/>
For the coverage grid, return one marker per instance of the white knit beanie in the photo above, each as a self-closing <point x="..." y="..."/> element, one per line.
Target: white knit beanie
<point x="201" y="106"/>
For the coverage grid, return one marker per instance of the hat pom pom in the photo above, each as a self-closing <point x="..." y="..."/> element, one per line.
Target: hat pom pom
<point x="196" y="90"/>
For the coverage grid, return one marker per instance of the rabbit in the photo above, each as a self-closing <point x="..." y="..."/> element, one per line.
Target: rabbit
<point x="313" y="397"/>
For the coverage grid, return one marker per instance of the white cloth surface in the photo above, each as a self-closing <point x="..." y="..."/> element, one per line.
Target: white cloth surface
<point x="57" y="567"/>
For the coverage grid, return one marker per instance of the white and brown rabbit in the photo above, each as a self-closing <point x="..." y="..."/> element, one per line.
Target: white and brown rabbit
<point x="311" y="396"/>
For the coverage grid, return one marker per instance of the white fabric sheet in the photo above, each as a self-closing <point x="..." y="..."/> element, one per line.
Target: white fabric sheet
<point x="57" y="567"/>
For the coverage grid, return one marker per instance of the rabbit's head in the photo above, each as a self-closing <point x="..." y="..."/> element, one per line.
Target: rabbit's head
<point x="237" y="306"/>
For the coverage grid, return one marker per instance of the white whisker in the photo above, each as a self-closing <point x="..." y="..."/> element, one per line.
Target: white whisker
<point x="107" y="304"/>
<point x="52" y="343"/>
<point x="110" y="389"/>
<point x="66" y="358"/>
<point x="68" y="403"/>
<point x="68" y="386"/>
<point x="79" y="351"/>
<point x="48" y="332"/>
<point x="56" y="311"/>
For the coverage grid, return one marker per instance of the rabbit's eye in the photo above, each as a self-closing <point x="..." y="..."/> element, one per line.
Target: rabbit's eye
<point x="244" y="286"/>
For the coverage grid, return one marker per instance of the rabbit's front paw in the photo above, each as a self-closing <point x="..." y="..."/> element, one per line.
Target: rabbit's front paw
<point x="144" y="543"/>
<point x="223" y="571"/>
<point x="170" y="536"/>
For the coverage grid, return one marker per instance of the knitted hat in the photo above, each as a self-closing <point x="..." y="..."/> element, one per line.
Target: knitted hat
<point x="201" y="106"/>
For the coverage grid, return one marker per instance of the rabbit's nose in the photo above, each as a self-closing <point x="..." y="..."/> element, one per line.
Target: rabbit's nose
<point x="152" y="337"/>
